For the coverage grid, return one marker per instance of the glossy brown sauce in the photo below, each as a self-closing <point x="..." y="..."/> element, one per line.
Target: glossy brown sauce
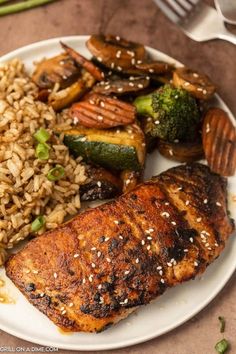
<point x="64" y="332"/>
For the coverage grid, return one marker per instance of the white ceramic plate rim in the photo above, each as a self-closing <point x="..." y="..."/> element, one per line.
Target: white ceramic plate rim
<point x="145" y="337"/>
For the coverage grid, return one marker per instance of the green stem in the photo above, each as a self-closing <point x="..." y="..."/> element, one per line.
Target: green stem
<point x="26" y="5"/>
<point x="2" y="1"/>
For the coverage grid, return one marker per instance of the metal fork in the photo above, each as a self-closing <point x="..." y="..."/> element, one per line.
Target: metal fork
<point x="198" y="21"/>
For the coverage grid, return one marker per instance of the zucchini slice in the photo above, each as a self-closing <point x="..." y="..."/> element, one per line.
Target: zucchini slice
<point x="119" y="149"/>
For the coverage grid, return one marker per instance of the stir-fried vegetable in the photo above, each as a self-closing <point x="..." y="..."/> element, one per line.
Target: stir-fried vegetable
<point x="222" y="346"/>
<point x="38" y="223"/>
<point x="42" y="135"/>
<point x="21" y="6"/>
<point x="42" y="151"/>
<point x="56" y="173"/>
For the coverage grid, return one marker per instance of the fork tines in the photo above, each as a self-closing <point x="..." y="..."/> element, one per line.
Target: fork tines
<point x="176" y="10"/>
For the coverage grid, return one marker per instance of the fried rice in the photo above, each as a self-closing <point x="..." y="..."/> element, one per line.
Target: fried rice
<point x="25" y="191"/>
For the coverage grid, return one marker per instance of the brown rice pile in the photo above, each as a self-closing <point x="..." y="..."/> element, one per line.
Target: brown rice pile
<point x="25" y="191"/>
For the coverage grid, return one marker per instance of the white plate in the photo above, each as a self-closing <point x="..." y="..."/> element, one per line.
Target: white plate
<point x="169" y="311"/>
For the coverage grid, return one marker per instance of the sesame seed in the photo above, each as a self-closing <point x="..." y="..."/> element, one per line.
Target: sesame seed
<point x="42" y="294"/>
<point x="100" y="286"/>
<point x="187" y="202"/>
<point x="132" y="54"/>
<point x="133" y="61"/>
<point x="195" y="75"/>
<point x="172" y="260"/>
<point x="151" y="70"/>
<point x="149" y="238"/>
<point x="91" y="278"/>
<point x="209" y="248"/>
<point x="93" y="249"/>
<point x="169" y="264"/>
<point x="55" y="275"/>
<point x="199" y="89"/>
<point x="139" y="61"/>
<point x="108" y="260"/>
<point x="120" y="89"/>
<point x="140" y="85"/>
<point x="218" y="204"/>
<point x="185" y="250"/>
<point x="165" y="214"/>
<point x="148" y="247"/>
<point x="125" y="301"/>
<point x="127" y="181"/>
<point x="102" y="104"/>
<point x="71" y="304"/>
<point x="162" y="281"/>
<point x="207" y="244"/>
<point x="116" y="222"/>
<point x="112" y="65"/>
<point x="196" y="264"/>
<point x="159" y="267"/>
<point x="157" y="122"/>
<point x="204" y="92"/>
<point x="191" y="239"/>
<point x="63" y="312"/>
<point x="136" y="260"/>
<point x="176" y="96"/>
<point x="176" y="141"/>
<point x="118" y="54"/>
<point x="186" y="84"/>
<point x="27" y="271"/>
<point x="208" y="128"/>
<point x="100" y="118"/>
<point x="121" y="237"/>
<point x="99" y="254"/>
<point x="160" y="272"/>
<point x="84" y="281"/>
<point x="118" y="38"/>
<point x="99" y="184"/>
<point x="101" y="300"/>
<point x="91" y="102"/>
<point x="62" y="308"/>
<point x="199" y="219"/>
<point x="132" y="78"/>
<point x="35" y="271"/>
<point x="131" y="84"/>
<point x="179" y="188"/>
<point x="93" y="265"/>
<point x="205" y="201"/>
<point x="143" y="242"/>
<point x="119" y="68"/>
<point x="171" y="152"/>
<point x="149" y="119"/>
<point x="167" y="203"/>
<point x="173" y="222"/>
<point x="147" y="77"/>
<point x="107" y="87"/>
<point x="127" y="272"/>
<point x="216" y="244"/>
<point x="99" y="59"/>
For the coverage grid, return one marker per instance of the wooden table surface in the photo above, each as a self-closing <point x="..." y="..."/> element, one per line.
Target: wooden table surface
<point x="140" y="20"/>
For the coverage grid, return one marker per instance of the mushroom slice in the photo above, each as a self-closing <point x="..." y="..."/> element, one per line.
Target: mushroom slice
<point x="154" y="67"/>
<point x="219" y="142"/>
<point x="181" y="151"/>
<point x="60" y="69"/>
<point x="102" y="112"/>
<point x="199" y="85"/>
<point x="130" y="179"/>
<point x="122" y="86"/>
<point x="114" y="52"/>
<point x="85" y="63"/>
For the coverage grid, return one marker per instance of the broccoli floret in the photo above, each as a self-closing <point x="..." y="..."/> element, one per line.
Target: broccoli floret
<point x="173" y="114"/>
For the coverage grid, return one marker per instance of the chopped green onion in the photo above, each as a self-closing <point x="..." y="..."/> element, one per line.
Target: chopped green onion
<point x="222" y="346"/>
<point x="42" y="135"/>
<point x="56" y="173"/>
<point x="222" y="324"/>
<point x="38" y="223"/>
<point x="42" y="151"/>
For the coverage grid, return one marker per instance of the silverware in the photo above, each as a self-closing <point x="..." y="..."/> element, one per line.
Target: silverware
<point x="198" y="21"/>
<point x="227" y="9"/>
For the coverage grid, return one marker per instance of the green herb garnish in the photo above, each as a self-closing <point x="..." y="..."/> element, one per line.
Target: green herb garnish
<point x="56" y="173"/>
<point x="42" y="135"/>
<point x="222" y="324"/>
<point x="38" y="223"/>
<point x="222" y="346"/>
<point x="42" y="151"/>
<point x="21" y="6"/>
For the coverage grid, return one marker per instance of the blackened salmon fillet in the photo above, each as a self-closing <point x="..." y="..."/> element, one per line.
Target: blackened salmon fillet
<point x="97" y="268"/>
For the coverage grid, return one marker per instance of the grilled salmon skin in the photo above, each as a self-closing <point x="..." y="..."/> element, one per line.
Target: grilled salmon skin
<point x="97" y="268"/>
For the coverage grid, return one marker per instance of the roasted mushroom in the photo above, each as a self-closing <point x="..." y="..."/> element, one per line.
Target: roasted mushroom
<point x="85" y="63"/>
<point x="122" y="86"/>
<point x="219" y="142"/>
<point x="100" y="184"/>
<point x="180" y="151"/>
<point x="102" y="112"/>
<point x="60" y="69"/>
<point x="130" y="179"/>
<point x="116" y="53"/>
<point x="199" y="85"/>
